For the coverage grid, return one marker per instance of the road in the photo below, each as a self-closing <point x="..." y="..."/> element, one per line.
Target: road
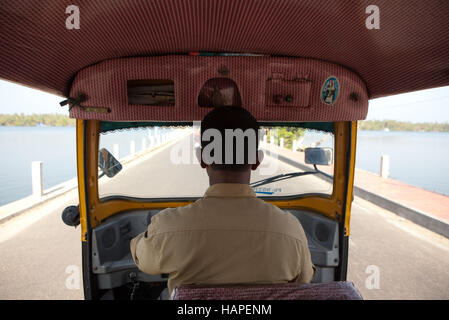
<point x="389" y="257"/>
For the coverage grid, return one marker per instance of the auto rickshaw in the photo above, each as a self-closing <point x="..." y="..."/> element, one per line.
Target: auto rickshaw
<point x="304" y="69"/>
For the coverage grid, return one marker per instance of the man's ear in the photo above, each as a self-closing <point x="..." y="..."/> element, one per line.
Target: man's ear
<point x="259" y="159"/>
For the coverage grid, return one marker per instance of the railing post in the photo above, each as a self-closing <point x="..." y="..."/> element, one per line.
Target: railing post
<point x="132" y="148"/>
<point x="300" y="141"/>
<point x="116" y="152"/>
<point x="271" y="139"/>
<point x="281" y="142"/>
<point x="144" y="144"/>
<point x="294" y="145"/>
<point x="385" y="166"/>
<point x="36" y="179"/>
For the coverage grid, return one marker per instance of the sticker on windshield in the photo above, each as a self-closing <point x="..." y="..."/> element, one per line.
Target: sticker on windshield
<point x="267" y="190"/>
<point x="330" y="90"/>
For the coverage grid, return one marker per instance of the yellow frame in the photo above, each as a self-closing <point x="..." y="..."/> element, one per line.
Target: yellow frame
<point x="331" y="206"/>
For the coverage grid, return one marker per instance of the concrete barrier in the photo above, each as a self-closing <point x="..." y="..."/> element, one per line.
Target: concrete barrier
<point x="41" y="196"/>
<point x="37" y="184"/>
<point x="421" y="218"/>
<point x="116" y="151"/>
<point x="385" y="166"/>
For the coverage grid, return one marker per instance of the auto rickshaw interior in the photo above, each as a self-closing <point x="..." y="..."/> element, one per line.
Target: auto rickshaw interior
<point x="287" y="96"/>
<point x="153" y="69"/>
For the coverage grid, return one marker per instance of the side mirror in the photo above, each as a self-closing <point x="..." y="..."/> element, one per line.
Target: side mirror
<point x="108" y="164"/>
<point x="320" y="156"/>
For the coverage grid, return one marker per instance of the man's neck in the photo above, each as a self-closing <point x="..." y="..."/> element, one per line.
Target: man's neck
<point x="222" y="176"/>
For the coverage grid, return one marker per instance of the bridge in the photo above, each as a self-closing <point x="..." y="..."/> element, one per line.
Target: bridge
<point x="390" y="257"/>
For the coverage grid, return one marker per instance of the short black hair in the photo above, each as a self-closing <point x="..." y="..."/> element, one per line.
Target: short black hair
<point x="231" y="117"/>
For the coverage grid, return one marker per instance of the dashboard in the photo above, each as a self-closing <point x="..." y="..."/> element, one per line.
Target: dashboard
<point x="114" y="267"/>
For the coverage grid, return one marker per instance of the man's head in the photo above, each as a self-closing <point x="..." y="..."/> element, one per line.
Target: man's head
<point x="229" y="143"/>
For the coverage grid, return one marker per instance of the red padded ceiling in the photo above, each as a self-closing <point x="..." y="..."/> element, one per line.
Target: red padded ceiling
<point x="409" y="52"/>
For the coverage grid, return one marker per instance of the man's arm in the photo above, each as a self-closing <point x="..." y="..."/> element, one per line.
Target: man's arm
<point x="307" y="270"/>
<point x="145" y="253"/>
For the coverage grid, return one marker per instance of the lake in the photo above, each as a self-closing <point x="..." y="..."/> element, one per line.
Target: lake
<point x="416" y="158"/>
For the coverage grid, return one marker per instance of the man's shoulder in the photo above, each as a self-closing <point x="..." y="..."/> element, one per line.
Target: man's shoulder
<point x="285" y="221"/>
<point x="169" y="218"/>
<point x="271" y="218"/>
<point x="262" y="216"/>
<point x="272" y="210"/>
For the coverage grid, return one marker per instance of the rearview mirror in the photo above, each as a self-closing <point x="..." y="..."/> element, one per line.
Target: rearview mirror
<point x="320" y="156"/>
<point x="108" y="164"/>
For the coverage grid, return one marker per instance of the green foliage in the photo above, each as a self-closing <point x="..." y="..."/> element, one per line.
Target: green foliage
<point x="51" y="120"/>
<point x="288" y="133"/>
<point x="393" y="125"/>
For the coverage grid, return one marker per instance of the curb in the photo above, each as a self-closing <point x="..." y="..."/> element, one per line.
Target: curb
<point x="32" y="203"/>
<point x="421" y="218"/>
<point x="63" y="188"/>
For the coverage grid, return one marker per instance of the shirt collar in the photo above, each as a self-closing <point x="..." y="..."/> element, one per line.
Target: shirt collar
<point x="229" y="190"/>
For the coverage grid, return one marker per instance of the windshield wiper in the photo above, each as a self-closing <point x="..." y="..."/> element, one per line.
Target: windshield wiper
<point x="283" y="176"/>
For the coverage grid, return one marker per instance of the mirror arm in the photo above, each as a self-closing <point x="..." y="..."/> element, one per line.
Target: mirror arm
<point x="318" y="170"/>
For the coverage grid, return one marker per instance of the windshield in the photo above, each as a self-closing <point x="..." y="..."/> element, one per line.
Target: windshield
<point x="162" y="162"/>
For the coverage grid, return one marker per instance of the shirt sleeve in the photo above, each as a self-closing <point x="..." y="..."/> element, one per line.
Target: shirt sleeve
<point x="307" y="269"/>
<point x="145" y="252"/>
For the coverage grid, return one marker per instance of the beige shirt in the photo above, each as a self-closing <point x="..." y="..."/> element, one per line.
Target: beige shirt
<point x="227" y="237"/>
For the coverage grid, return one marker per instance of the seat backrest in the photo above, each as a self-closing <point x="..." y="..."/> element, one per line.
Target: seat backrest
<point x="288" y="291"/>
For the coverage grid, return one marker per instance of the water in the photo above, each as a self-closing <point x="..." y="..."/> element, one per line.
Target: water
<point x="416" y="158"/>
<point x="54" y="146"/>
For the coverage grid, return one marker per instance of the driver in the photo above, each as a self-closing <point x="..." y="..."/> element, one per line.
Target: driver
<point x="229" y="236"/>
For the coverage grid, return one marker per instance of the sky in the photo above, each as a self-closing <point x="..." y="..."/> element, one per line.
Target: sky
<point x="430" y="105"/>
